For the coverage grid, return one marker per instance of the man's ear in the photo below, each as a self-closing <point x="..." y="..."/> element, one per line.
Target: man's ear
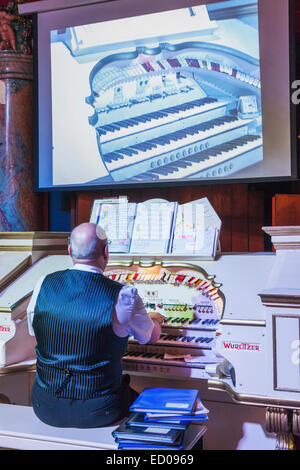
<point x="106" y="251"/>
<point x="69" y="250"/>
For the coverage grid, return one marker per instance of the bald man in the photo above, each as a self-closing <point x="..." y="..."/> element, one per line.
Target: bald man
<point x="81" y="321"/>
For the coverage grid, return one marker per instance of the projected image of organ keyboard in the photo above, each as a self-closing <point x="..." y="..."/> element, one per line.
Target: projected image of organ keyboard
<point x="173" y="100"/>
<point x="189" y="127"/>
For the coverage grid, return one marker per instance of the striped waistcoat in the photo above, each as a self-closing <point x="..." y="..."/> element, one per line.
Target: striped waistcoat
<point x="78" y="354"/>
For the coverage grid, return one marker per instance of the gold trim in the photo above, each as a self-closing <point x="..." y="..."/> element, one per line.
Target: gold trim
<point x="15" y="305"/>
<point x="17" y="368"/>
<point x="285" y="442"/>
<point x="33" y="235"/>
<point x="31" y="248"/>
<point x="255" y="400"/>
<point x="116" y="264"/>
<point x="228" y="321"/>
<point x="15" y="273"/>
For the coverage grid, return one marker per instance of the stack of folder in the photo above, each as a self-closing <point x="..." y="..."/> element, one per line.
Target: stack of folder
<point x="159" y="419"/>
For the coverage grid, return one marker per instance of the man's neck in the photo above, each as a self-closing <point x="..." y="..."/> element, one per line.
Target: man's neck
<point x="88" y="267"/>
<point x="99" y="263"/>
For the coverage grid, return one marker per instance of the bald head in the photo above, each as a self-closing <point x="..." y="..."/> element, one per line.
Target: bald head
<point x="87" y="243"/>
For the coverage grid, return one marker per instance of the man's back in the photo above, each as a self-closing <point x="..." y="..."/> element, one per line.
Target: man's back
<point x="81" y="321"/>
<point x="73" y="329"/>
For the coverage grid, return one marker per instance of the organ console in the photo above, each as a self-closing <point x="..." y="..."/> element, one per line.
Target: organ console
<point x="193" y="307"/>
<point x="231" y="329"/>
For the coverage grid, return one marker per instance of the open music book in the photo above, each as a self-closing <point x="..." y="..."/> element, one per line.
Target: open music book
<point x="159" y="227"/>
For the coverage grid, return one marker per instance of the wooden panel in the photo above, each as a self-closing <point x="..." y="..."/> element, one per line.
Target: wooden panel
<point x="241" y="210"/>
<point x="255" y="220"/>
<point x="286" y="209"/>
<point x="239" y="227"/>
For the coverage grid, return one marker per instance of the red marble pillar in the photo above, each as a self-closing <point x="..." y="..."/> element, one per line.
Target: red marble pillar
<point x="20" y="207"/>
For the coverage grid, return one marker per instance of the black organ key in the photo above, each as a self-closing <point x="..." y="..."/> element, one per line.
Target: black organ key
<point x="124" y="124"/>
<point x="166" y="338"/>
<point x="125" y="152"/>
<point x="145" y="177"/>
<point x="113" y="127"/>
<point x="112" y="156"/>
<point x="141" y="119"/>
<point x="163" y="171"/>
<point x="198" y="340"/>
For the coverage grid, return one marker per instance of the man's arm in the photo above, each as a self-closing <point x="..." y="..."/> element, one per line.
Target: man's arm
<point x="131" y="317"/>
<point x="31" y="305"/>
<point x="157" y="319"/>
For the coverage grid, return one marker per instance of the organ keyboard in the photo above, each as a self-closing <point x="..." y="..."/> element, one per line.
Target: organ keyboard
<point x="193" y="307"/>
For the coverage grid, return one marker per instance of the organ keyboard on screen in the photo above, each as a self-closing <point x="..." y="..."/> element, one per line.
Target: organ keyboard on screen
<point x="176" y="110"/>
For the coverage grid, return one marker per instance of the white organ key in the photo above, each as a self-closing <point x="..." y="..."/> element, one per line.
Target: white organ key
<point x="201" y="135"/>
<point x="110" y="135"/>
<point x="211" y="161"/>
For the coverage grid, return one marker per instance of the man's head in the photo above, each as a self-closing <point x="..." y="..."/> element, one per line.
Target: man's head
<point x="88" y="245"/>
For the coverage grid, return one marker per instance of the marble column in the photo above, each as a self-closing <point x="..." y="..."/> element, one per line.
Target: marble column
<point x="20" y="207"/>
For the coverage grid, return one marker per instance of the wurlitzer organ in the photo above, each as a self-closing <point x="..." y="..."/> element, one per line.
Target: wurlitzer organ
<point x="227" y="331"/>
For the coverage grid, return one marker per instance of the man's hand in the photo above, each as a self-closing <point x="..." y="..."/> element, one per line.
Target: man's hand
<point x="157" y="317"/>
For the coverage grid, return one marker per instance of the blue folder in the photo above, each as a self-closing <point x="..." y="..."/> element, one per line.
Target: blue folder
<point x="139" y="419"/>
<point x="168" y="400"/>
<point x="168" y="420"/>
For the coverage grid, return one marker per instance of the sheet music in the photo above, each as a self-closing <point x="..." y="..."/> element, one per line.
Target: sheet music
<point x="116" y="217"/>
<point x="159" y="227"/>
<point x="153" y="228"/>
<point x="196" y="229"/>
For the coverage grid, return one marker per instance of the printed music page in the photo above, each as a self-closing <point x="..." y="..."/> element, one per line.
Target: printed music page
<point x="196" y="230"/>
<point x="153" y="228"/>
<point x="116" y="217"/>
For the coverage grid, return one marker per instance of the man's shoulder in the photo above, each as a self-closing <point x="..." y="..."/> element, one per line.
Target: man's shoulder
<point x="56" y="274"/>
<point x="112" y="282"/>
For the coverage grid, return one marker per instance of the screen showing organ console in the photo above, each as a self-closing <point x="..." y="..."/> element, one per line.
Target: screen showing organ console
<point x="162" y="97"/>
